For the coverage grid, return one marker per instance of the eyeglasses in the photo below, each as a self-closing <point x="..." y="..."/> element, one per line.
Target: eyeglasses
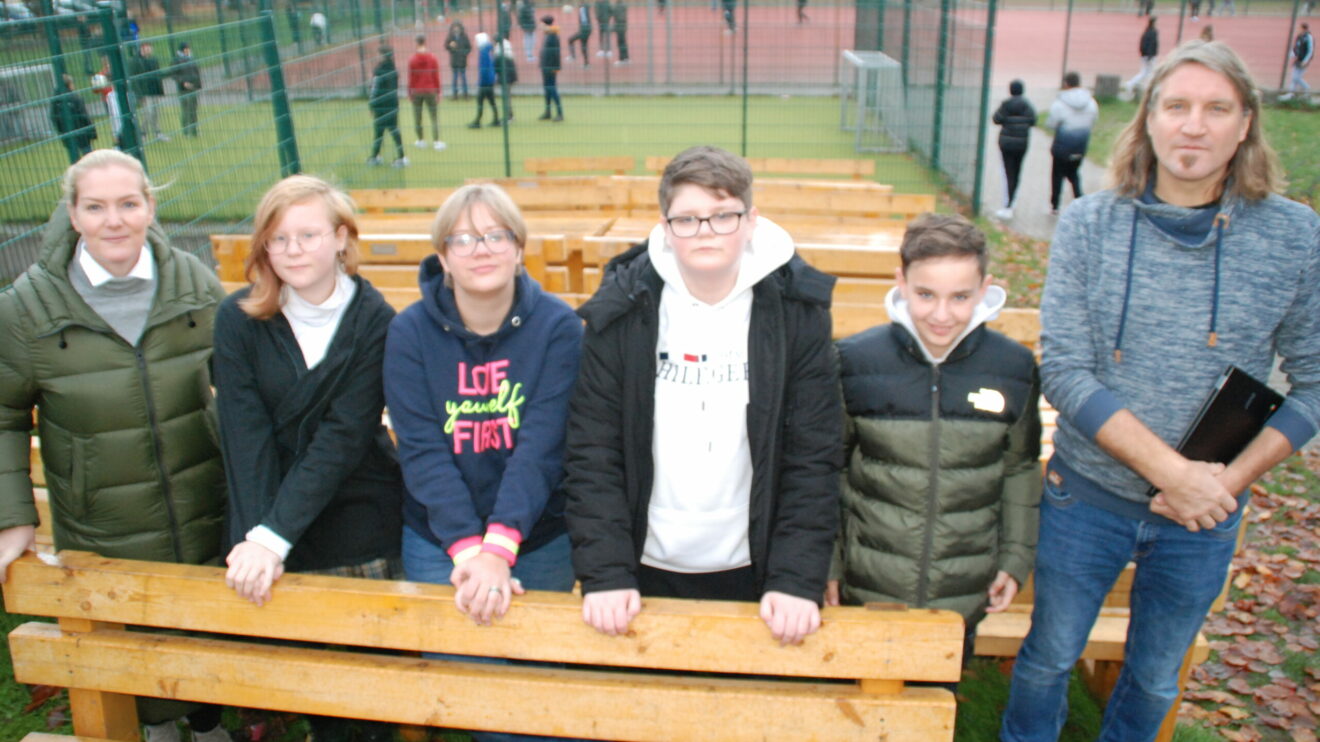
<point x="464" y="244"/>
<point x="725" y="222"/>
<point x="306" y="241"/>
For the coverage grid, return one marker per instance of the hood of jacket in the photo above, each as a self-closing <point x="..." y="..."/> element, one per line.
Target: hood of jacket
<point x="986" y="310"/>
<point x="770" y="248"/>
<point x="1075" y="98"/>
<point x="438" y="300"/>
<point x="633" y="274"/>
<point x="53" y="304"/>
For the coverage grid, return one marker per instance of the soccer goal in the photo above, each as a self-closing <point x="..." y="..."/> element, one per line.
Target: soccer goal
<point x="872" y="101"/>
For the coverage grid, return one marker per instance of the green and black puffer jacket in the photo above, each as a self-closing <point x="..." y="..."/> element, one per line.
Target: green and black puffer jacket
<point x="943" y="481"/>
<point x="127" y="442"/>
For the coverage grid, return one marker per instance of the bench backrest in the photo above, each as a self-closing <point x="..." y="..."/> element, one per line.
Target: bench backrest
<point x="618" y="164"/>
<point x="851" y="168"/>
<point x="878" y="648"/>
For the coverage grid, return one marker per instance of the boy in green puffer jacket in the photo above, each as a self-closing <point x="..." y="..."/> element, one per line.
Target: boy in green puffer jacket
<point x="939" y="500"/>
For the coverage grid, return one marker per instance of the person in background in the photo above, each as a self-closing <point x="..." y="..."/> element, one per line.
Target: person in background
<point x="1303" y="51"/>
<point x="314" y="481"/>
<point x="320" y="28"/>
<point x="459" y="47"/>
<point x="583" y="33"/>
<point x="383" y="102"/>
<point x="1149" y="49"/>
<point x="603" y="13"/>
<point x="68" y="114"/>
<point x="1071" y="117"/>
<point x="424" y="91"/>
<point x="108" y="337"/>
<point x="189" y="78"/>
<point x="550" y="63"/>
<point x="149" y="87"/>
<point x="1016" y="118"/>
<point x="527" y="23"/>
<point x="485" y="81"/>
<point x="619" y="16"/>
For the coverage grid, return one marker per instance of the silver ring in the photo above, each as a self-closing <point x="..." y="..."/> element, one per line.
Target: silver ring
<point x="493" y="589"/>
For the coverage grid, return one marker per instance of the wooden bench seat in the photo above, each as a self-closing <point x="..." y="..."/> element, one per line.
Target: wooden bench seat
<point x="815" y="167"/>
<point x="44" y="737"/>
<point x="846" y="682"/>
<point x="617" y="164"/>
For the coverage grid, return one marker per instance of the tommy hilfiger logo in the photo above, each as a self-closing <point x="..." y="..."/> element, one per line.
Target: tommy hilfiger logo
<point x="685" y="357"/>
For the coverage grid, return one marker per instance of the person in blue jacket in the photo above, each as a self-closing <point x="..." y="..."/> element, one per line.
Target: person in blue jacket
<point x="485" y="81"/>
<point x="478" y="376"/>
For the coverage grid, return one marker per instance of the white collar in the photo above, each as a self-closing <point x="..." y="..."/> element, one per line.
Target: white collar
<point x="300" y="310"/>
<point x="144" y="268"/>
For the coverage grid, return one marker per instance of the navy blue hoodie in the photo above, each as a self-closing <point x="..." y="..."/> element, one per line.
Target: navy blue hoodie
<point x="481" y="419"/>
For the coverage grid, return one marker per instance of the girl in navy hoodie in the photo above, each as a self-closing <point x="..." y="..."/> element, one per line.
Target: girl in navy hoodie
<point x="478" y="376"/>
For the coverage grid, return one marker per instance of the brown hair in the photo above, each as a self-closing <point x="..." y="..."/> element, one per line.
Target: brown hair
<point x="1253" y="172"/>
<point x="943" y="236"/>
<point x="717" y="171"/>
<point x="100" y="158"/>
<point x="491" y="196"/>
<point x="263" y="301"/>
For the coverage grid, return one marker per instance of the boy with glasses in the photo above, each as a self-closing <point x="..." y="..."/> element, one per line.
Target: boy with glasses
<point x="705" y="432"/>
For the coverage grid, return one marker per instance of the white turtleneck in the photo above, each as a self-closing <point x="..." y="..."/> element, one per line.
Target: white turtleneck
<point x="314" y="325"/>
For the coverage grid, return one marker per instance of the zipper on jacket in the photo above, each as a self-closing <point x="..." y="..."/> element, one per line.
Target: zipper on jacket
<point x="165" y="488"/>
<point x="932" y="493"/>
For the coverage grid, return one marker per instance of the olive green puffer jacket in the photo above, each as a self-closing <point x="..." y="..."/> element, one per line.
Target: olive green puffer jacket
<point x="130" y="459"/>
<point x="943" y="480"/>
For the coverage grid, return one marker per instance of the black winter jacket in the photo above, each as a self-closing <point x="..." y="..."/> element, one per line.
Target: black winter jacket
<point x="1150" y="43"/>
<point x="305" y="452"/>
<point x="1016" y="116"/>
<point x="550" y="57"/>
<point x="794" y="422"/>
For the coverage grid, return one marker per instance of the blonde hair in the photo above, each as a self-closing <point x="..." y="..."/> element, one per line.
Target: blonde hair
<point x="95" y="160"/>
<point x="1253" y="172"/>
<point x="263" y="301"/>
<point x="501" y="206"/>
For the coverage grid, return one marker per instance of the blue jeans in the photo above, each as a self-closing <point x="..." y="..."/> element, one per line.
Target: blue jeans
<point x="459" y="75"/>
<point x="547" y="568"/>
<point x="1082" y="550"/>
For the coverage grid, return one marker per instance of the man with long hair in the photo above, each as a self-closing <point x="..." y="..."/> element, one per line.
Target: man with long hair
<point x="1190" y="262"/>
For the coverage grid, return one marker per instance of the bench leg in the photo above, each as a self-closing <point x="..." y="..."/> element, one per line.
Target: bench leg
<point x="1100" y="676"/>
<point x="97" y="713"/>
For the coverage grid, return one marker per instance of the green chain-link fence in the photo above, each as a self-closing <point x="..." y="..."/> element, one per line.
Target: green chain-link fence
<point x="279" y="94"/>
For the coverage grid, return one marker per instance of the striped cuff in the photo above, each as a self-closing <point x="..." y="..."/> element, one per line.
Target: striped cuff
<point x="503" y="542"/>
<point x="464" y="549"/>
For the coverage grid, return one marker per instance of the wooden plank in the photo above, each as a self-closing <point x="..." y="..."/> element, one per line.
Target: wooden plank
<point x="576" y="703"/>
<point x="95" y="711"/>
<point x="380" y="200"/>
<point x="1023" y="325"/>
<point x="36" y="467"/>
<point x="43" y="737"/>
<point x="546" y="165"/>
<point x="390" y="276"/>
<point x="670" y="634"/>
<point x="1002" y="634"/>
<point x="855" y="168"/>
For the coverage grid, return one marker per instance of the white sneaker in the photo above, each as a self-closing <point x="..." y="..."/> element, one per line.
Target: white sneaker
<point x="401" y="162"/>
<point x="375" y="161"/>
<point x="164" y="732"/>
<point x="1286" y="96"/>
<point x="439" y="145"/>
<point x="218" y="734"/>
<point x="1004" y="215"/>
<point x="420" y="143"/>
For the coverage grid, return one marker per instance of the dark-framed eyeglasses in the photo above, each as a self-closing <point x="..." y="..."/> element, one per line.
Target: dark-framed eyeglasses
<point x="464" y="244"/>
<point x="725" y="222"/>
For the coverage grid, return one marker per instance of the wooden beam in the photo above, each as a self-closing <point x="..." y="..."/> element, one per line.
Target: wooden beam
<point x="575" y="703"/>
<point x="96" y="711"/>
<point x="669" y="634"/>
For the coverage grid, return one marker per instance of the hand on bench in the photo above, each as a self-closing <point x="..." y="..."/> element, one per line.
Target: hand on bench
<point x="484" y="587"/>
<point x="13" y="543"/>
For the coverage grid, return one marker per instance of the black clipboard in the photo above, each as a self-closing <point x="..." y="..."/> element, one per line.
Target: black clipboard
<point x="1234" y="412"/>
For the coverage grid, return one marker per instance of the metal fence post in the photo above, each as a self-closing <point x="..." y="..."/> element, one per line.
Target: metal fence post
<point x="941" y="61"/>
<point x="907" y="40"/>
<point x="48" y="24"/>
<point x="746" y="31"/>
<point x="1067" y="39"/>
<point x="128" y="134"/>
<point x="378" y="17"/>
<point x="981" y="129"/>
<point x="224" y="41"/>
<point x="286" y="142"/>
<point x="1287" y="46"/>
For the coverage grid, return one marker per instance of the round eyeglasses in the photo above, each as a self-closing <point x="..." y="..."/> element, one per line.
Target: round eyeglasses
<point x="306" y="241"/>
<point x="464" y="244"/>
<point x="725" y="222"/>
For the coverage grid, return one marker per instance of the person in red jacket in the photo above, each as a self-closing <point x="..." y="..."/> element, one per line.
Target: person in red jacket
<point x="424" y="90"/>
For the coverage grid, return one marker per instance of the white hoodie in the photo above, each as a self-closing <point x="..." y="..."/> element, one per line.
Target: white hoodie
<point x="986" y="310"/>
<point x="701" y="489"/>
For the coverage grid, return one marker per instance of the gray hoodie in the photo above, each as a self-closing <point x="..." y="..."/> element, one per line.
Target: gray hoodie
<point x="1134" y="318"/>
<point x="1071" y="117"/>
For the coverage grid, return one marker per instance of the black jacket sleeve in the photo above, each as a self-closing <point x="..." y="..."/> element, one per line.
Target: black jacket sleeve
<point x="806" y="513"/>
<point x="597" y="510"/>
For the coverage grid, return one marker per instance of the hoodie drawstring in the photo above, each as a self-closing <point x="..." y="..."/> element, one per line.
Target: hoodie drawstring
<point x="1212" y="340"/>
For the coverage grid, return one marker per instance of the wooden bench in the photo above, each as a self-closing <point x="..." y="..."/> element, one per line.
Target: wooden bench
<point x="618" y="165"/>
<point x="849" y="168"/>
<point x="43" y="737"/>
<point x="849" y="681"/>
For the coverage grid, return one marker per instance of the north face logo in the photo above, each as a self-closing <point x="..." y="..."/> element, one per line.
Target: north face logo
<point x="987" y="400"/>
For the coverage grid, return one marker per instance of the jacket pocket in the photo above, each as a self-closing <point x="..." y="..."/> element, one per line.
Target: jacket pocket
<point x="79" y="491"/>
